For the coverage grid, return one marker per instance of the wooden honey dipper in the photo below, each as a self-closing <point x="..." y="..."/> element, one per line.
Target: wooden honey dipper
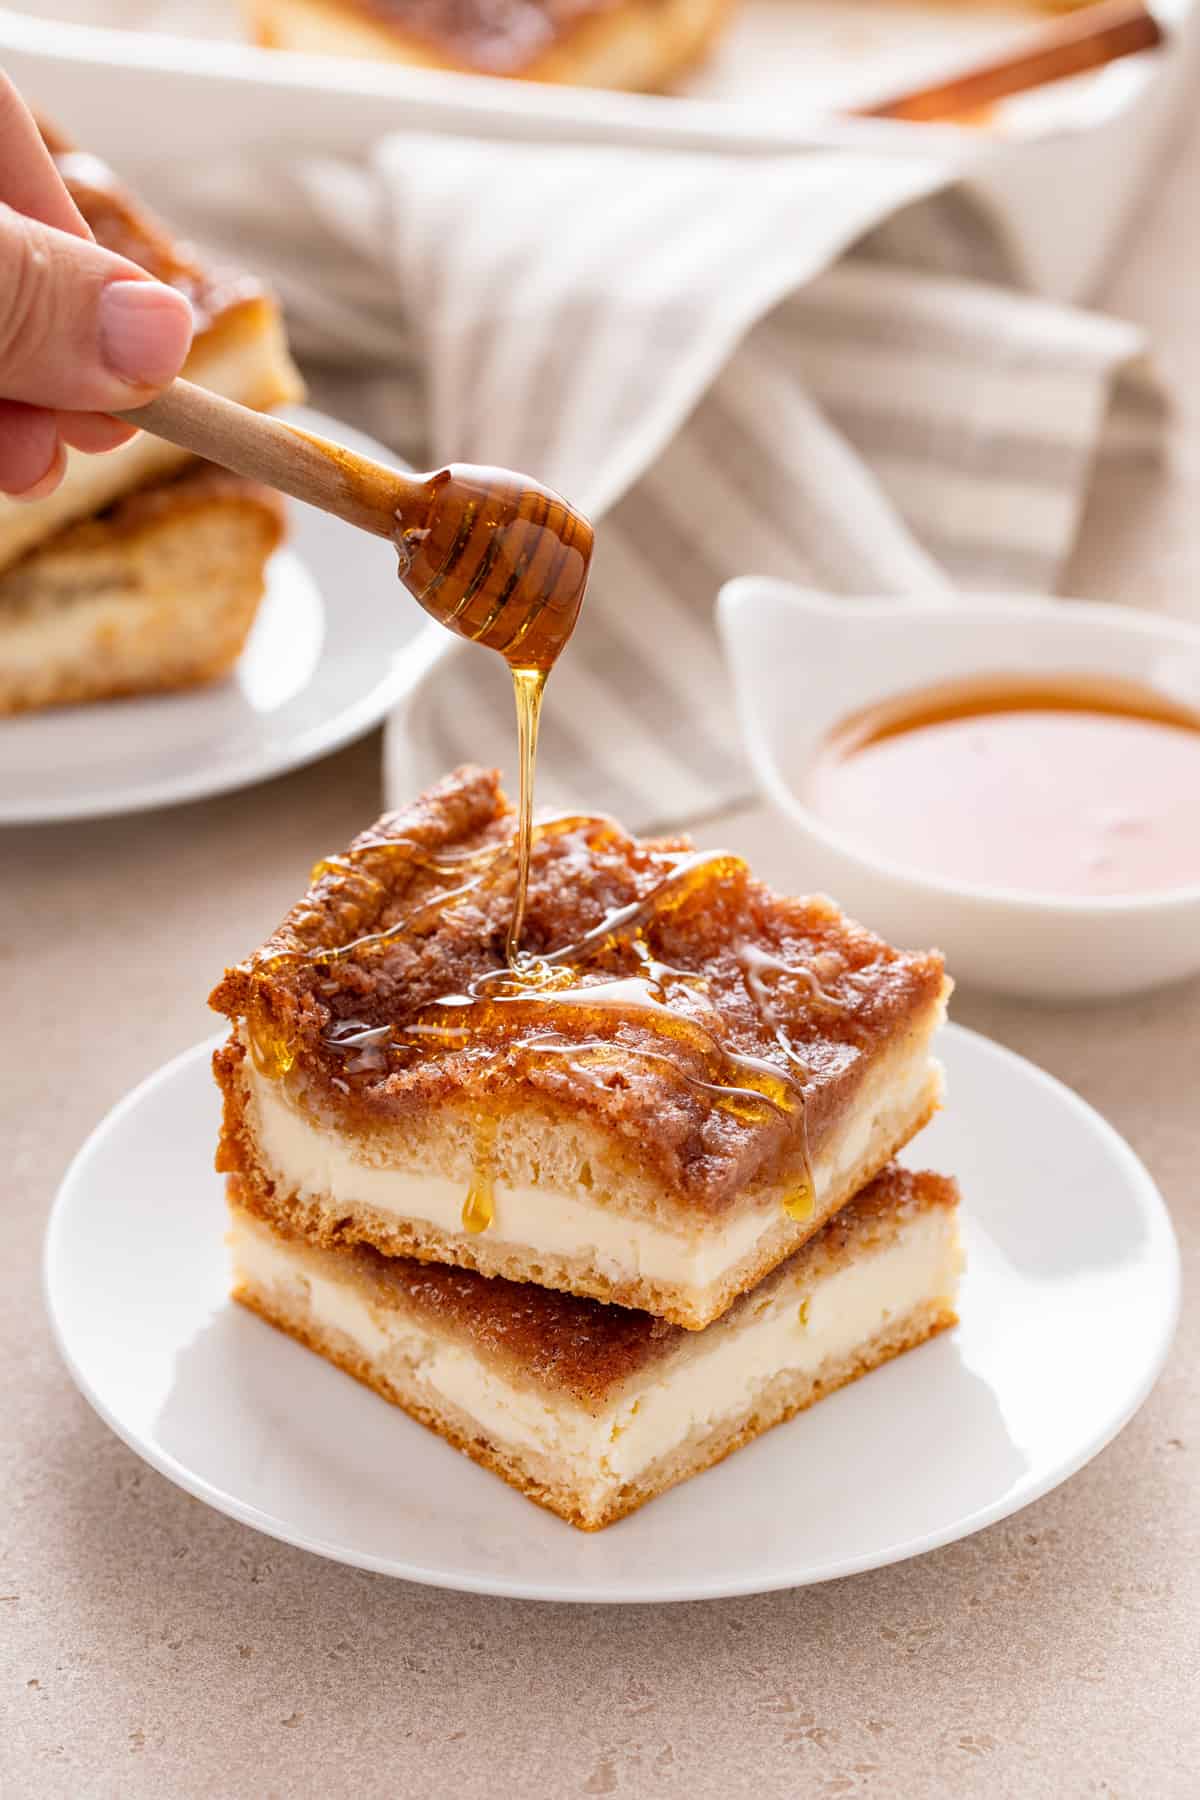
<point x="491" y="555"/>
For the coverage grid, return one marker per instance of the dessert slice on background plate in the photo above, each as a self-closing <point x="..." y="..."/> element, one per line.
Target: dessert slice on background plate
<point x="635" y="44"/>
<point x="144" y="569"/>
<point x="684" y="1077"/>
<point x="592" y="1410"/>
<point x="239" y="350"/>
<point x="109" y="606"/>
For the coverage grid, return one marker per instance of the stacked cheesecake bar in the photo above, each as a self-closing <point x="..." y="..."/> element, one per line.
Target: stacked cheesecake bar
<point x="603" y="1219"/>
<point x="144" y="570"/>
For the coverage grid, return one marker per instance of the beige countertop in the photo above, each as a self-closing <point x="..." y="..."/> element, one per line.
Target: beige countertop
<point x="149" y="1647"/>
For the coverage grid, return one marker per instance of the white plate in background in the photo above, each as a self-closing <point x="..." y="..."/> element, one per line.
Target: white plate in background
<point x="1068" y="1309"/>
<point x="337" y="642"/>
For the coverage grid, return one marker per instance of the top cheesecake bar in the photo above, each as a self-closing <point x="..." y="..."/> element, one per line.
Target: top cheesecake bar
<point x="239" y="350"/>
<point x="684" y="1077"/>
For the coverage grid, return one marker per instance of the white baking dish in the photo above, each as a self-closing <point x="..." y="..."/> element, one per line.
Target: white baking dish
<point x="783" y="70"/>
<point x="774" y="85"/>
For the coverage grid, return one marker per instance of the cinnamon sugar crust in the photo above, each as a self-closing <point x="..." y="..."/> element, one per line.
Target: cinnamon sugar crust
<point x="584" y="1348"/>
<point x="499" y="37"/>
<point x="762" y="996"/>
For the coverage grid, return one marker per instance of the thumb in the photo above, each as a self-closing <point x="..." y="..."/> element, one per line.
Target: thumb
<point x="80" y="328"/>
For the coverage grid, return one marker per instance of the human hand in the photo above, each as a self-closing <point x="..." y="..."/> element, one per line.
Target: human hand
<point x="82" y="332"/>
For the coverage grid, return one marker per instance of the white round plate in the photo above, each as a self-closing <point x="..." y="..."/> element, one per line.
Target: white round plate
<point x="336" y="644"/>
<point x="1068" y="1308"/>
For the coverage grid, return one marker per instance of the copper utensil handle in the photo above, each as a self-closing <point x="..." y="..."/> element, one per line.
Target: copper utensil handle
<point x="283" y="456"/>
<point x="1097" y="35"/>
<point x="492" y="555"/>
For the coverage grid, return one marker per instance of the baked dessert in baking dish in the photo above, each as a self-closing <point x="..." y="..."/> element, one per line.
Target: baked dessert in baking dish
<point x="638" y="44"/>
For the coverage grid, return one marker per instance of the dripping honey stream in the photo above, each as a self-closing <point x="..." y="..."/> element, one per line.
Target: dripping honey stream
<point x="493" y="556"/>
<point x="504" y="563"/>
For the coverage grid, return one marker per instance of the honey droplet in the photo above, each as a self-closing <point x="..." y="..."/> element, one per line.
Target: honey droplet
<point x="271" y="1053"/>
<point x="622" y="1425"/>
<point x="804" y="1312"/>
<point x="479" y="1207"/>
<point x="799" y="1203"/>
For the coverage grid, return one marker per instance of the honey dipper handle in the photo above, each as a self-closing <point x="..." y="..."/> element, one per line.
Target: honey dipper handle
<point x="297" y="462"/>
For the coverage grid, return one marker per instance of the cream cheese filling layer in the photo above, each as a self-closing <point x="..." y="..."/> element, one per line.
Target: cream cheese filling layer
<point x="714" y="1377"/>
<point x="319" y="1164"/>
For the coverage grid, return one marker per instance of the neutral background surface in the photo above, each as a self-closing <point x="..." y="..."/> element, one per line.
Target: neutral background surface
<point x="151" y="1647"/>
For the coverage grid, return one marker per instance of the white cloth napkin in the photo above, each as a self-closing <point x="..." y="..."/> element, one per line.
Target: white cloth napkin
<point x="679" y="342"/>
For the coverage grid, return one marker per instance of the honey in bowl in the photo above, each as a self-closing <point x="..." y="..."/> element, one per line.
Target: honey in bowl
<point x="1069" y="785"/>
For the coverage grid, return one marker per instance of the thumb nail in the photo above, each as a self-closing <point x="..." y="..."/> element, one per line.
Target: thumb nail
<point x="145" y="331"/>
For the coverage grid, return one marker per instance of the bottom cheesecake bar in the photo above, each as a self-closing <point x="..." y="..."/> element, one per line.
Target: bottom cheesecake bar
<point x="590" y="1409"/>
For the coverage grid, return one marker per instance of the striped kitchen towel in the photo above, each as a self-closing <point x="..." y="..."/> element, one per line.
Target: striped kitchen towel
<point x="812" y="366"/>
<point x="818" y="362"/>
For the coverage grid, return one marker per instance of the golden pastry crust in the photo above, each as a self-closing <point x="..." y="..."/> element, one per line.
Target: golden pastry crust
<point x="702" y="1084"/>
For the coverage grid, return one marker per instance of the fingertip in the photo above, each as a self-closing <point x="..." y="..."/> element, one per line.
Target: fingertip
<point x="145" y="331"/>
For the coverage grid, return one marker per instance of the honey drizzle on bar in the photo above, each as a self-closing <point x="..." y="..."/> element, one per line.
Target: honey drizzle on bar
<point x="479" y="1207"/>
<point x="525" y="1007"/>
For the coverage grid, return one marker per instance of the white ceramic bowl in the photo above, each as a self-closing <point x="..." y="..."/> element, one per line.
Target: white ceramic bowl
<point x="802" y="661"/>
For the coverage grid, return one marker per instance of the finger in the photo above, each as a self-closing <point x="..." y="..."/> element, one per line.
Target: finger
<point x="93" y="432"/>
<point x="80" y="328"/>
<point x="30" y="453"/>
<point x="29" y="181"/>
